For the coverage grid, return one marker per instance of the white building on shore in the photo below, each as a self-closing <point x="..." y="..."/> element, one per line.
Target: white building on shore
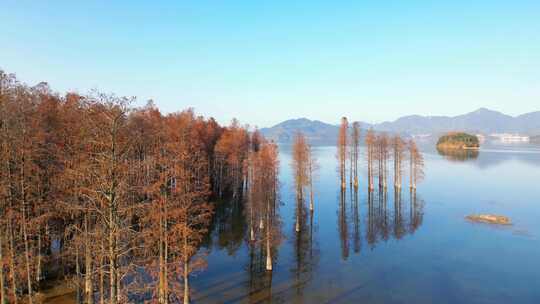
<point x="510" y="138"/>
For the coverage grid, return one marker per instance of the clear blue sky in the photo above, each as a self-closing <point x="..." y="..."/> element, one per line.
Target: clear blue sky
<point x="264" y="63"/>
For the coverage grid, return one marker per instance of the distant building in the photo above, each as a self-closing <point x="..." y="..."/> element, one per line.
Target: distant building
<point x="481" y="138"/>
<point x="510" y="138"/>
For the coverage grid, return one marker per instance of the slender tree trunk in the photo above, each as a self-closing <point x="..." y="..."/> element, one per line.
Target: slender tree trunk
<point x="351" y="165"/>
<point x="112" y="262"/>
<point x="186" y="272"/>
<point x="370" y="166"/>
<point x="88" y="282"/>
<point x="77" y="276"/>
<point x="268" y="247"/>
<point x="297" y="227"/>
<point x="11" y="241"/>
<point x="27" y="256"/>
<point x="356" y="165"/>
<point x="102" y="274"/>
<point x="166" y="270"/>
<point x="3" y="299"/>
<point x="411" y="179"/>
<point x="163" y="297"/>
<point x="12" y="261"/>
<point x="311" y="196"/>
<point x="38" y="263"/>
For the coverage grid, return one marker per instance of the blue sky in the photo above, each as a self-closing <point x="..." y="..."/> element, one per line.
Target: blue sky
<point x="267" y="61"/>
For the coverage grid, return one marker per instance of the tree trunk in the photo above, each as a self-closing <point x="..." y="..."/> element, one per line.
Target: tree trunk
<point x="27" y="255"/>
<point x="77" y="276"/>
<point x="297" y="228"/>
<point x="186" y="282"/>
<point x="162" y="292"/>
<point x="102" y="274"/>
<point x="38" y="263"/>
<point x="186" y="271"/>
<point x="411" y="172"/>
<point x="268" y="247"/>
<point x="88" y="282"/>
<point x="12" y="262"/>
<point x="112" y="265"/>
<point x="3" y="299"/>
<point x="311" y="207"/>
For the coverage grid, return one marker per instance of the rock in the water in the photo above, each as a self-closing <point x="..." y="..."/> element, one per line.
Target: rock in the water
<point x="489" y="219"/>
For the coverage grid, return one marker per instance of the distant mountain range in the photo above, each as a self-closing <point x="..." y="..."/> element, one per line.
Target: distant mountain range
<point x="317" y="132"/>
<point x="483" y="121"/>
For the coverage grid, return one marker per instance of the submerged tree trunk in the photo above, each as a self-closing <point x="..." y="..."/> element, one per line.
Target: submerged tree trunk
<point x="297" y="227"/>
<point x="268" y="246"/>
<point x="186" y="271"/>
<point x="311" y="197"/>
<point x="186" y="282"/>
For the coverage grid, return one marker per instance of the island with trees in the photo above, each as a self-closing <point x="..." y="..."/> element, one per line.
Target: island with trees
<point x="458" y="140"/>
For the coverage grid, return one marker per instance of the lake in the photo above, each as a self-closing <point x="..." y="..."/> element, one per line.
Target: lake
<point x="391" y="247"/>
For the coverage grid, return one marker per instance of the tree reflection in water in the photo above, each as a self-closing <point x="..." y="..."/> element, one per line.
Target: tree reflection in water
<point x="342" y="224"/>
<point x="459" y="155"/>
<point x="382" y="223"/>
<point x="379" y="226"/>
<point x="381" y="216"/>
<point x="305" y="251"/>
<point x="228" y="227"/>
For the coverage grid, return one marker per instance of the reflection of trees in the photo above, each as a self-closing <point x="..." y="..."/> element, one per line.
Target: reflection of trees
<point x="356" y="222"/>
<point x="342" y="224"/>
<point x="383" y="210"/>
<point x="259" y="280"/>
<point x="459" y="155"/>
<point x="229" y="226"/>
<point x="383" y="224"/>
<point x="416" y="212"/>
<point x="305" y="255"/>
<point x="371" y="234"/>
<point x="399" y="228"/>
<point x="377" y="217"/>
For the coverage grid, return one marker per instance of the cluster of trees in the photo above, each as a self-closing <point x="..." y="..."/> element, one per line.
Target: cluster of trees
<point x="458" y="140"/>
<point x="117" y="199"/>
<point x="304" y="165"/>
<point x="262" y="198"/>
<point x="380" y="150"/>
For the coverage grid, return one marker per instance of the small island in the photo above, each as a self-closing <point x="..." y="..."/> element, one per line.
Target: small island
<point x="489" y="219"/>
<point x="458" y="140"/>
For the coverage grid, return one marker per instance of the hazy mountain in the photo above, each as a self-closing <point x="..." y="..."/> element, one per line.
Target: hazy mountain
<point x="480" y="121"/>
<point x="317" y="132"/>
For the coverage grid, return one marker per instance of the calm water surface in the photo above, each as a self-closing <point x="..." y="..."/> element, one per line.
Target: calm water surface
<point x="392" y="247"/>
